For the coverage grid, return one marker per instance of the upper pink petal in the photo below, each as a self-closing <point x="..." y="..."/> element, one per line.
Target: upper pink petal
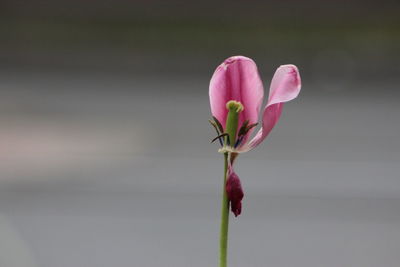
<point x="237" y="79"/>
<point x="285" y="86"/>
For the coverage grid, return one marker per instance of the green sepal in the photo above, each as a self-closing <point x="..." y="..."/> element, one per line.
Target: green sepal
<point x="246" y="128"/>
<point x="219" y="125"/>
<point x="242" y="130"/>
<point x="215" y="126"/>
<point x="219" y="136"/>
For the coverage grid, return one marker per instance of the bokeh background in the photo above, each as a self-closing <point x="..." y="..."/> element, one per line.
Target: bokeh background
<point x="104" y="141"/>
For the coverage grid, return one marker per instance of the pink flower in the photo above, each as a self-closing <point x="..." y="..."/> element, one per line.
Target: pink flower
<point x="237" y="79"/>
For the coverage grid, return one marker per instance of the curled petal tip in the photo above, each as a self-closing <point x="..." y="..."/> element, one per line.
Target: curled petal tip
<point x="236" y="208"/>
<point x="285" y="85"/>
<point x="233" y="59"/>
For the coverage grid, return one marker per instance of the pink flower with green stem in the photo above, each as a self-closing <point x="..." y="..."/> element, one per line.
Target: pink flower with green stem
<point x="236" y="95"/>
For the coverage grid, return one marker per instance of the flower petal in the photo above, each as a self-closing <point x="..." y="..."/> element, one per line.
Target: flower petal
<point x="234" y="191"/>
<point x="237" y="79"/>
<point x="285" y="86"/>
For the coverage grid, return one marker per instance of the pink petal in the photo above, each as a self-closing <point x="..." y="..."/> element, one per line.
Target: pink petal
<point x="285" y="86"/>
<point x="237" y="79"/>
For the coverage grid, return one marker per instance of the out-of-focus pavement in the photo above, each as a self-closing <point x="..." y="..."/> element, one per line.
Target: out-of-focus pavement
<point x="117" y="170"/>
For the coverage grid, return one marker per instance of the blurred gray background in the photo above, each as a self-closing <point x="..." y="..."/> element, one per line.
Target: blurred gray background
<point x="104" y="141"/>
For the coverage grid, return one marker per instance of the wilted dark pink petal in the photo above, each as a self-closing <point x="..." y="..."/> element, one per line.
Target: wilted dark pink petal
<point x="234" y="191"/>
<point x="237" y="79"/>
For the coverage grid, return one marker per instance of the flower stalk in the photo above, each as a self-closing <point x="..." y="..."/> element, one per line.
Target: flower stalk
<point x="234" y="108"/>
<point x="223" y="238"/>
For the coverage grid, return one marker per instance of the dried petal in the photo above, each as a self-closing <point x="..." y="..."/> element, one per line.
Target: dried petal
<point x="235" y="192"/>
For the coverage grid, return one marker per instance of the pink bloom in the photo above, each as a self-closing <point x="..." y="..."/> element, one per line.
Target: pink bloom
<point x="237" y="79"/>
<point x="234" y="191"/>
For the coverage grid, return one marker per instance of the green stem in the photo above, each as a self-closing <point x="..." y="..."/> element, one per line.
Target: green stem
<point x="223" y="241"/>
<point x="234" y="108"/>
